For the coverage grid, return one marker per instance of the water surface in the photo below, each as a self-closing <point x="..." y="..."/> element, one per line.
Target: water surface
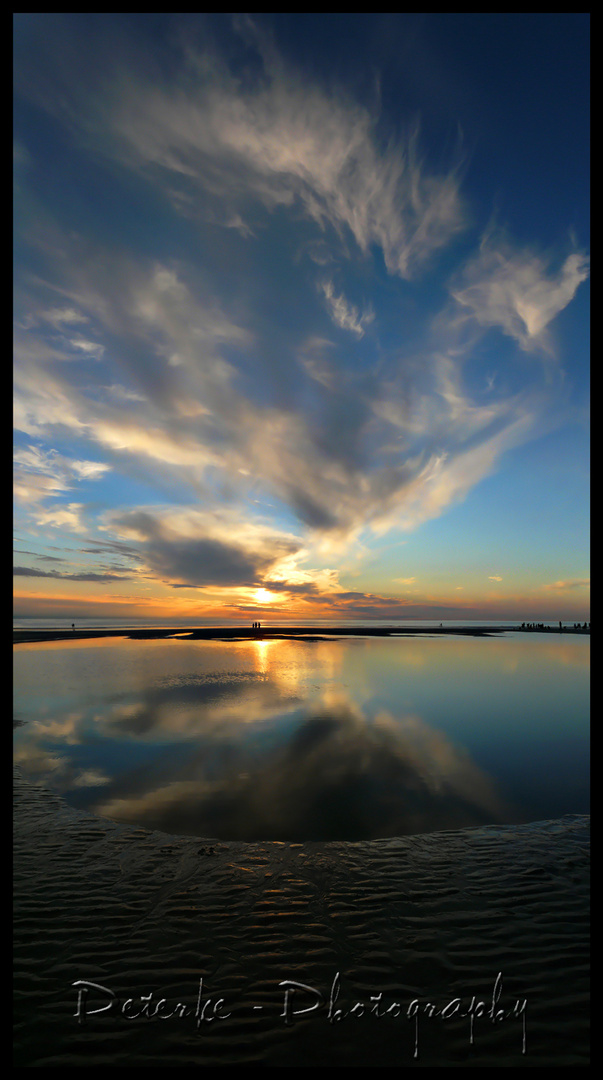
<point x="289" y="740"/>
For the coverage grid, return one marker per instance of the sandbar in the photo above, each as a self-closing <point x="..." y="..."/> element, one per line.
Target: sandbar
<point x="307" y="633"/>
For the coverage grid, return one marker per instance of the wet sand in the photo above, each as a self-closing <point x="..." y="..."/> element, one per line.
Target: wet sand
<point x="308" y="633"/>
<point x="428" y="920"/>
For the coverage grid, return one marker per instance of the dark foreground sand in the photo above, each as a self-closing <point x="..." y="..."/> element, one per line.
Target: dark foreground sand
<point x="426" y="919"/>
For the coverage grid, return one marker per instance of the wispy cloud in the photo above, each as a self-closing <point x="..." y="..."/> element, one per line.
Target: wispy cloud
<point x="516" y="290"/>
<point x="103" y="579"/>
<point x="57" y="317"/>
<point x="344" y="314"/>
<point x="68" y="517"/>
<point x="575" y="583"/>
<point x="191" y="415"/>
<point x="92" y="348"/>
<point x="43" y="473"/>
<point x="314" y="359"/>
<point x="282" y="140"/>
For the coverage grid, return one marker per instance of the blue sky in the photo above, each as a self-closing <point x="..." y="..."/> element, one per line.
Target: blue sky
<point x="301" y="316"/>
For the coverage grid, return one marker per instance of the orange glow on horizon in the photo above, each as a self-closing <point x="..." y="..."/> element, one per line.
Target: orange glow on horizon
<point x="236" y="606"/>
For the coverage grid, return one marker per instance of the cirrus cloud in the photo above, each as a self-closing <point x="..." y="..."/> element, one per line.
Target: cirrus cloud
<point x="516" y="290"/>
<point x="283" y="140"/>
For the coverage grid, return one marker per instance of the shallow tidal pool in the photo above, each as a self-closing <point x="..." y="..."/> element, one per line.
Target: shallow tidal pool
<point x="343" y="739"/>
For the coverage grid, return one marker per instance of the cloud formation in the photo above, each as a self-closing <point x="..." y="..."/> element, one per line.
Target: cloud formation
<point x="272" y="341"/>
<point x="103" y="579"/>
<point x="344" y="314"/>
<point x="577" y="583"/>
<point x="517" y="291"/>
<point x="384" y="448"/>
<point x="43" y="473"/>
<point x="196" y="549"/>
<point x="279" y="137"/>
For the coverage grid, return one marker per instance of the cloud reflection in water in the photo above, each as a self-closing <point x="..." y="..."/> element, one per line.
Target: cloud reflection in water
<point x="327" y="773"/>
<point x="334" y="740"/>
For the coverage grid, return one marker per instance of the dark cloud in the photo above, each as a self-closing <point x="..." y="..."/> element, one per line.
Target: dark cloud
<point x="359" y="605"/>
<point x="305" y="588"/>
<point x="30" y="571"/>
<point x="45" y="558"/>
<point x="204" y="562"/>
<point x="114" y="547"/>
<point x="308" y="509"/>
<point x="223" y="559"/>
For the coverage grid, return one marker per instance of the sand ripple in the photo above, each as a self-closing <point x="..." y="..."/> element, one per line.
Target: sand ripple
<point x="430" y="918"/>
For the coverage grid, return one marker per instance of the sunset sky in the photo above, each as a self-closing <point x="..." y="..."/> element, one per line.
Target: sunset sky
<point x="301" y="316"/>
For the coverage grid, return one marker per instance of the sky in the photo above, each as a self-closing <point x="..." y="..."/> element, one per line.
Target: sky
<point x="301" y="316"/>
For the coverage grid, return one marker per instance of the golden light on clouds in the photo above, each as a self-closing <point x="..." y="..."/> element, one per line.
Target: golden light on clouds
<point x="263" y="596"/>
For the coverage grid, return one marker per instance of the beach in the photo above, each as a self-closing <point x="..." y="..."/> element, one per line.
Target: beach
<point x="487" y="925"/>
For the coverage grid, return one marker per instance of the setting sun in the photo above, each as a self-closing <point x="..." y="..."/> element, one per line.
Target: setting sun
<point x="264" y="597"/>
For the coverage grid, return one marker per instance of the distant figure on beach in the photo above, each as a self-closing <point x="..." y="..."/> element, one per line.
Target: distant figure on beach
<point x="560" y="626"/>
<point x="73" y="626"/>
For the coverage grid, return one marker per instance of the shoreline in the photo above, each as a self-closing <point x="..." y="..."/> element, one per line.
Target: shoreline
<point x="303" y="633"/>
